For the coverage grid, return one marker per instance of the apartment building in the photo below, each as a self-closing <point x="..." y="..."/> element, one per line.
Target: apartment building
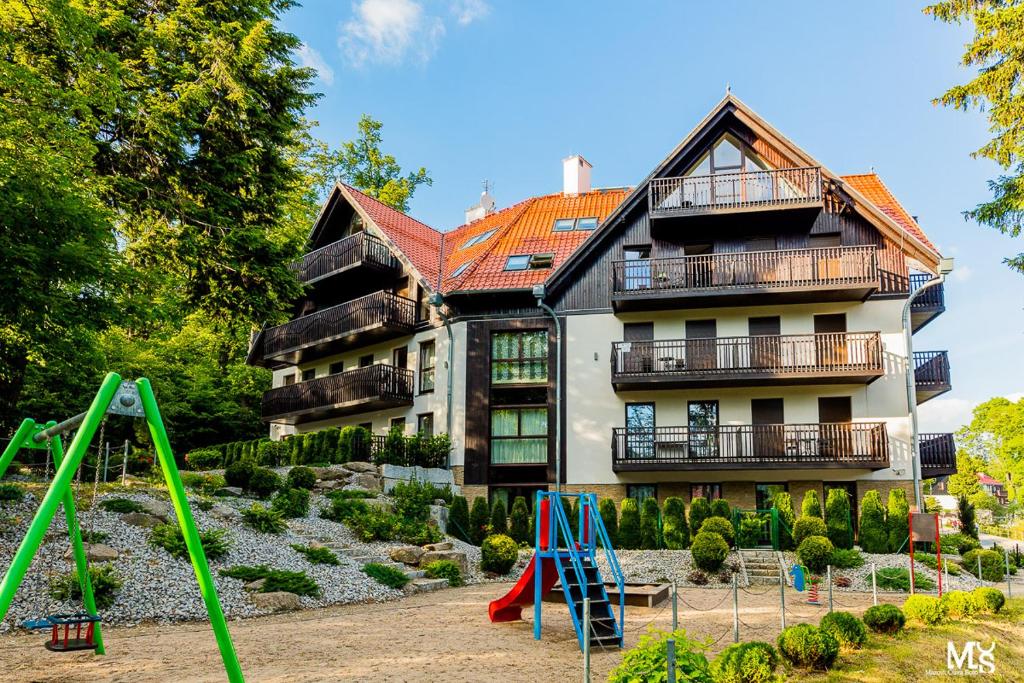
<point x="731" y="326"/>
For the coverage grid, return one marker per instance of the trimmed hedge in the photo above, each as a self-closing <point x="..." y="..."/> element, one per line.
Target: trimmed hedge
<point x="650" y="533"/>
<point x="808" y="526"/>
<point x="752" y="662"/>
<point x="962" y="605"/>
<point x="924" y="609"/>
<point x="874" y="537"/>
<point x="845" y="628"/>
<point x="700" y="509"/>
<point x="675" y="529"/>
<point x="629" y="525"/>
<point x="991" y="599"/>
<point x="887" y="619"/>
<point x="709" y="551"/>
<point x="721" y="526"/>
<point x="837" y="518"/>
<point x="808" y="647"/>
<point x="815" y="552"/>
<point x="498" y="554"/>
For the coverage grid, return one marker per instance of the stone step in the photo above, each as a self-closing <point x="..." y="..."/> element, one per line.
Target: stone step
<point x="426" y="585"/>
<point x="415" y="573"/>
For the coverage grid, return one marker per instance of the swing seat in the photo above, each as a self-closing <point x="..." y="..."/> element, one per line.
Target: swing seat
<point x="70" y="638"/>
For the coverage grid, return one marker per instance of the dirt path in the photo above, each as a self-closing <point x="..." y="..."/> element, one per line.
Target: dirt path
<point x="429" y="637"/>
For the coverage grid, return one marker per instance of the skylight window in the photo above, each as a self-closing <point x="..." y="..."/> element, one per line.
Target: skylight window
<point x="461" y="269"/>
<point x="482" y="237"/>
<point x="564" y="224"/>
<point x="518" y="262"/>
<point x="529" y="261"/>
<point x="570" y="224"/>
<point x="586" y="223"/>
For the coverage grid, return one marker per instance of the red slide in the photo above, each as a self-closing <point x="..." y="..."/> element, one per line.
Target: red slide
<point x="510" y="606"/>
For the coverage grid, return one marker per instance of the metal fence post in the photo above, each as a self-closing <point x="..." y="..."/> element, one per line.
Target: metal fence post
<point x="106" y="463"/>
<point x="782" y="601"/>
<point x="981" y="579"/>
<point x="874" y="585"/>
<point x="586" y="640"/>
<point x="735" y="610"/>
<point x="828" y="575"/>
<point x="671" y="656"/>
<point x="1009" y="591"/>
<point x="124" y="464"/>
<point x="675" y="607"/>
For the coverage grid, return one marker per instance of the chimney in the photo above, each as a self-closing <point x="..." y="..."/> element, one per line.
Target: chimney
<point x="483" y="208"/>
<point x="575" y="175"/>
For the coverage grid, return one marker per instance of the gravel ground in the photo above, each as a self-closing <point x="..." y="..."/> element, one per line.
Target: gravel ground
<point x="861" y="576"/>
<point x="662" y="566"/>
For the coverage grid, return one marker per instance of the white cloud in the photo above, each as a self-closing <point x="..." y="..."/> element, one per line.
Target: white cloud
<point x="309" y="57"/>
<point x="944" y="414"/>
<point x="468" y="11"/>
<point x="962" y="273"/>
<point x="389" y="31"/>
<point x="1016" y="396"/>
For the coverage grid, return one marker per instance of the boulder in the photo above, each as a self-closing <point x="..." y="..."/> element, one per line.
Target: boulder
<point x="225" y="512"/>
<point x="365" y="480"/>
<point x="439" y="517"/>
<point x="406" y="554"/>
<point x="330" y="484"/>
<point x="444" y="545"/>
<point x="331" y="474"/>
<point x="278" y="601"/>
<point x="158" y="509"/>
<point x="255" y="586"/>
<point x="357" y="466"/>
<point x="96" y="552"/>
<point x="142" y="519"/>
<point x="231" y="491"/>
<point x="453" y="555"/>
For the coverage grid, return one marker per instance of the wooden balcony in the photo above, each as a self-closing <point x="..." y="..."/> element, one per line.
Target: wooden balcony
<point x="746" y="278"/>
<point x="785" y="195"/>
<point x="929" y="305"/>
<point x="357" y="255"/>
<point x="828" y="358"/>
<point x="938" y="455"/>
<point x="857" y="445"/>
<point x="375" y="387"/>
<point x="931" y="374"/>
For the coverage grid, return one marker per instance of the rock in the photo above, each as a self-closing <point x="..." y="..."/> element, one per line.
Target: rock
<point x="440" y="502"/>
<point x="406" y="554"/>
<point x="444" y="545"/>
<point x="142" y="519"/>
<point x="439" y="517"/>
<point x="232" y="491"/>
<point x="453" y="555"/>
<point x="370" y="482"/>
<point x="95" y="552"/>
<point x="278" y="601"/>
<point x="254" y="586"/>
<point x="330" y="484"/>
<point x="157" y="509"/>
<point x="225" y="512"/>
<point x="330" y="474"/>
<point x="364" y="467"/>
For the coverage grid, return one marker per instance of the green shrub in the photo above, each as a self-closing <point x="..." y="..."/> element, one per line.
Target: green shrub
<point x="924" y="609"/>
<point x="808" y="526"/>
<point x="262" y="519"/>
<point x="989" y="599"/>
<point x="751" y="527"/>
<point x="205" y="483"/>
<point x="965" y="511"/>
<point x="815" y="552"/>
<point x="353" y="444"/>
<point x="239" y="473"/>
<point x="783" y="502"/>
<point x="700" y="509"/>
<point x="874" y="535"/>
<point x="519" y="522"/>
<point x="275" y="579"/>
<point x="204" y="459"/>
<point x="386" y="574"/>
<point x="11" y="493"/>
<point x="89" y="536"/>
<point x="811" y="505"/>
<point x="498" y="554"/>
<point x="629" y="525"/>
<point x="709" y="550"/>
<point x="479" y="520"/>
<point x="121" y="505"/>
<point x="610" y="517"/>
<point x="648" y="660"/>
<point x="317" y="554"/>
<point x="808" y="647"/>
<point x="898" y="579"/>
<point x="650" y="534"/>
<point x="957" y="544"/>
<point x="843" y="558"/>
<point x="837" y="518"/>
<point x="301" y="478"/>
<point x="343" y="508"/>
<point x="263" y="482"/>
<point x="720" y="508"/>
<point x="721" y="526"/>
<point x="993" y="565"/>
<point x="932" y="562"/>
<point x="499" y="518"/>
<point x="751" y="662"/>
<point x="444" y="569"/>
<point x="675" y="528"/>
<point x="291" y="503"/>
<point x="105" y="584"/>
<point x="170" y="537"/>
<point x="897" y="520"/>
<point x="845" y="628"/>
<point x="962" y="605"/>
<point x="887" y="619"/>
<point x="458" y="519"/>
<point x="572" y="515"/>
<point x="413" y="498"/>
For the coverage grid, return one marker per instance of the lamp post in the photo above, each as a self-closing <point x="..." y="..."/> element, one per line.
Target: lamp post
<point x="437" y="301"/>
<point x="945" y="268"/>
<point x="539" y="292"/>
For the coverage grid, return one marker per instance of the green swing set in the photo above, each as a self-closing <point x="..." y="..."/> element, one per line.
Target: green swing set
<point x="134" y="399"/>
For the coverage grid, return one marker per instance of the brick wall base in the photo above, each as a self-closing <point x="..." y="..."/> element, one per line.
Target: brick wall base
<point x="884" y="487"/>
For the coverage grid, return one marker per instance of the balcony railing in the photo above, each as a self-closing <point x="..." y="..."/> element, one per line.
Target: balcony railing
<point x="374" y="387"/>
<point x="769" y="359"/>
<point x="928" y="305"/>
<point x="931" y="374"/>
<point x="350" y="252"/>
<point x="752" y="190"/>
<point x="938" y="455"/>
<point x="379" y="314"/>
<point x="861" y="445"/>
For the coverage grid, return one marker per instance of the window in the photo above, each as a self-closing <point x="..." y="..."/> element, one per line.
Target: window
<point x="568" y="224"/>
<point x="709" y="491"/>
<point x="425" y="424"/>
<point x="521" y="262"/>
<point x="461" y="269"/>
<point x="640" y="431"/>
<point x="482" y="237"/>
<point x="289" y="379"/>
<point x="764" y="494"/>
<point x="703" y="428"/>
<point x="308" y="374"/>
<point x="538" y="261"/>
<point x="519" y="357"/>
<point x="397" y="423"/>
<point x="529" y="261"/>
<point x="336" y="368"/>
<point x="519" y="436"/>
<point x="366" y="361"/>
<point x="368" y="426"/>
<point x="586" y="223"/>
<point x="428" y="357"/>
<point x="400" y="357"/>
<point x="641" y="492"/>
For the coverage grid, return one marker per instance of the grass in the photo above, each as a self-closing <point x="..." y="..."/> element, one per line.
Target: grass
<point x="911" y="655"/>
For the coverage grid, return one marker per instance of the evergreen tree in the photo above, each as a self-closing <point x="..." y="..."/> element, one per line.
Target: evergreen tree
<point x="720" y="508"/>
<point x="700" y="510"/>
<point x="897" y="521"/>
<point x="479" y="520"/>
<point x="499" y="520"/>
<point x="629" y="525"/>
<point x="837" y="518"/>
<point x="610" y="516"/>
<point x="783" y="502"/>
<point x="965" y="511"/>
<point x="811" y="506"/>
<point x="675" y="529"/>
<point x="874" y="535"/>
<point x="650" y="531"/>
<point x="571" y="514"/>
<point x="458" y="519"/>
<point x="519" y="522"/>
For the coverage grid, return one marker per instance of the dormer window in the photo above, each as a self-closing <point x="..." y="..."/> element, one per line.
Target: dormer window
<point x="482" y="237"/>
<point x="529" y="261"/>
<point x="570" y="224"/>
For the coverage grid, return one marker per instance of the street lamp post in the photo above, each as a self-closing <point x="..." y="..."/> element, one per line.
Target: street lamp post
<point x="539" y="292"/>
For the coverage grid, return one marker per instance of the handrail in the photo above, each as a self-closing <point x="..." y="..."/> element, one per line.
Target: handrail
<point x="561" y="524"/>
<point x="933" y="297"/>
<point x="937" y="450"/>
<point x="613" y="562"/>
<point x="378" y="381"/>
<point x="931" y="367"/>
<point x="344" y="253"/>
<point x="730" y="191"/>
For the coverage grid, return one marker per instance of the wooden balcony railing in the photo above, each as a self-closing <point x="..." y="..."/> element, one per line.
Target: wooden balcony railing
<point x="810" y="356"/>
<point x="938" y="454"/>
<point x="380" y="309"/>
<point x="359" y="249"/>
<point x="748" y="271"/>
<point x="931" y="370"/>
<point x="927" y="305"/>
<point x="783" y="446"/>
<point x="735" y="191"/>
<point x="372" y="387"/>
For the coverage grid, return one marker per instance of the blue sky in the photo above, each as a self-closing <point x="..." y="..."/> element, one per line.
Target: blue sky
<point x="480" y="89"/>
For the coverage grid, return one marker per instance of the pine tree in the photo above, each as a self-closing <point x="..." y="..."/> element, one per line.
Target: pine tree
<point x="675" y="529"/>
<point x="479" y="520"/>
<point x="720" y="508"/>
<point x="458" y="519"/>
<point x="965" y="511"/>
<point x="610" y="516"/>
<point x="650" y="531"/>
<point x="811" y="506"/>
<point x="519" y="522"/>
<point x="499" y="519"/>
<point x="874" y="535"/>
<point x="837" y="518"/>
<point x="897" y="520"/>
<point x="700" y="510"/>
<point x="783" y="502"/>
<point x="629" y="525"/>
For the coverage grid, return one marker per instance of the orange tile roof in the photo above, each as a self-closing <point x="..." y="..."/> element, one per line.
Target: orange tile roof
<point x="875" y="191"/>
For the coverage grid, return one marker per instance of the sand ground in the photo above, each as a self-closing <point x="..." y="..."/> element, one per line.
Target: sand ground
<point x="440" y="636"/>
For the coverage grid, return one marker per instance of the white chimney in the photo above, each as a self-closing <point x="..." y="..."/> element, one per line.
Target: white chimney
<point x="481" y="209"/>
<point x="575" y="175"/>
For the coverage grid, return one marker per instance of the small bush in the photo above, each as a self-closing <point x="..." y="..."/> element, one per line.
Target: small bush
<point x="898" y="579"/>
<point x="751" y="526"/>
<point x="413" y="499"/>
<point x="291" y="503"/>
<point x="700" y="509"/>
<point x="343" y="508"/>
<point x="962" y="605"/>
<point x="720" y="508"/>
<point x="317" y="554"/>
<point x="121" y="505"/>
<point x="650" y="533"/>
<point x="170" y="537"/>
<point x="993" y="565"/>
<point x="301" y="478"/>
<point x="498" y="554"/>
<point x="11" y="493"/>
<point x="444" y="569"/>
<point x="837" y="518"/>
<point x="697" y="578"/>
<point x="846" y="628"/>
<point x="204" y="459"/>
<point x="275" y="579"/>
<point x="874" y="536"/>
<point x="808" y="526"/>
<point x="648" y="660"/>
<point x="89" y="536"/>
<point x="263" y="482"/>
<point x="957" y="544"/>
<point x="519" y="522"/>
<point x="499" y="518"/>
<point x="377" y="524"/>
<point x="932" y="562"/>
<point x="808" y="647"/>
<point x="629" y="525"/>
<point x="386" y="574"/>
<point x="721" y="526"/>
<point x="924" y="609"/>
<point x="752" y="662"/>
<point x="783" y="502"/>
<point x="709" y="551"/>
<point x="815" y="552"/>
<point x="843" y="558"/>
<point x="105" y="584"/>
<point x="989" y="599"/>
<point x="239" y="473"/>
<point x="479" y="520"/>
<point x="264" y="520"/>
<point x="675" y="529"/>
<point x="610" y="517"/>
<point x="887" y="619"/>
<point x="207" y="484"/>
<point x="458" y="519"/>
<point x="811" y="505"/>
<point x="897" y="520"/>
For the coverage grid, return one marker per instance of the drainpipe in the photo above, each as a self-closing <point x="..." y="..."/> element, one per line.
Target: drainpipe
<point x="437" y="301"/>
<point x="539" y="292"/>
<point x="945" y="268"/>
